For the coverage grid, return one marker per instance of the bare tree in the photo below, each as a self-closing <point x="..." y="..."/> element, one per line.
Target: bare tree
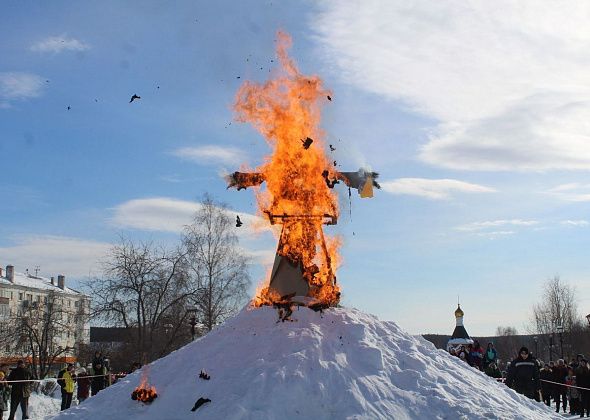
<point x="145" y="289"/>
<point x="35" y="330"/>
<point x="507" y="339"/>
<point x="215" y="263"/>
<point x="556" y="313"/>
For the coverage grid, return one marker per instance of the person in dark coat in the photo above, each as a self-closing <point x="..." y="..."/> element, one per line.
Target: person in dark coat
<point x="83" y="382"/>
<point x="560" y="391"/>
<point x="546" y="374"/>
<point x="99" y="379"/>
<point x="583" y="380"/>
<point x="523" y="375"/>
<point x="21" y="391"/>
<point x="493" y="371"/>
<point x="4" y="390"/>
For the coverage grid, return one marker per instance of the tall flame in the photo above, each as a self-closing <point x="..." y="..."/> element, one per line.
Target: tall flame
<point x="286" y="111"/>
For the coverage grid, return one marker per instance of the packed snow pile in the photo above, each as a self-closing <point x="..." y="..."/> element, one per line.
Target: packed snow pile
<point x="339" y="364"/>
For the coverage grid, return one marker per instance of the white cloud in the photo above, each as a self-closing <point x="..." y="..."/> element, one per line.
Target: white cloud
<point x="211" y="154"/>
<point x="478" y="226"/>
<point x="171" y="215"/>
<point x="578" y="223"/>
<point x="571" y="192"/>
<point x="508" y="82"/>
<point x="496" y="234"/>
<point x="436" y="189"/>
<point x="18" y="86"/>
<point x="57" y="44"/>
<point x="165" y="214"/>
<point x="73" y="257"/>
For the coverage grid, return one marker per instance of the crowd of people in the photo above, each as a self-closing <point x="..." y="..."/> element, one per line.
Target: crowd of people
<point x="561" y="383"/>
<point x="476" y="356"/>
<point x="16" y="384"/>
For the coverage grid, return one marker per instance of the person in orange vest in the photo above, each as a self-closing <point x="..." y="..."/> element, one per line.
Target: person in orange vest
<point x="65" y="379"/>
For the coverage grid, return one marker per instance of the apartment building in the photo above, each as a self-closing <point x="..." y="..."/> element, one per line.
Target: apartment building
<point x="25" y="295"/>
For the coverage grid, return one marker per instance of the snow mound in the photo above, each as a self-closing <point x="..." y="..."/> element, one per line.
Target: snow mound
<point x="342" y="364"/>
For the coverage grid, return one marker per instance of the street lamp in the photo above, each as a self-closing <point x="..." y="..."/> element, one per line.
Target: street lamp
<point x="560" y="332"/>
<point x="536" y="340"/>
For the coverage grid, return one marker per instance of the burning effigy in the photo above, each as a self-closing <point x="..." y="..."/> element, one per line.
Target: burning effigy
<point x="299" y="178"/>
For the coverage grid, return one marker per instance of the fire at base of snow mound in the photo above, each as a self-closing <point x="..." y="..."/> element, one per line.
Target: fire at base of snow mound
<point x="339" y="364"/>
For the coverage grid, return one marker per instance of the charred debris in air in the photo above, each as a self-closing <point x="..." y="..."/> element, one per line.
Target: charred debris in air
<point x="200" y="402"/>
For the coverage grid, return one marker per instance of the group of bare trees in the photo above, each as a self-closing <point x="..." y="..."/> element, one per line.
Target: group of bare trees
<point x="38" y="330"/>
<point x="159" y="294"/>
<point x="557" y="322"/>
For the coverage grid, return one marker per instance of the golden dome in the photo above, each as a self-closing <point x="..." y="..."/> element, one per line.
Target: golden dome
<point x="459" y="312"/>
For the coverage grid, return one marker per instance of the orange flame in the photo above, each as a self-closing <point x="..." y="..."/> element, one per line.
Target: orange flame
<point x="286" y="111"/>
<point x="144" y="392"/>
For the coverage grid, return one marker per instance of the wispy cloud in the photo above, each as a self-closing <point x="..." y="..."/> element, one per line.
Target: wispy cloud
<point x="435" y="189"/>
<point x="166" y="214"/>
<point x="57" y="44"/>
<point x="492" y="224"/>
<point x="211" y="154"/>
<point x="484" y="72"/>
<point x="576" y="223"/>
<point x="74" y="257"/>
<point x="571" y="192"/>
<point x="19" y="86"/>
<point x="495" y="234"/>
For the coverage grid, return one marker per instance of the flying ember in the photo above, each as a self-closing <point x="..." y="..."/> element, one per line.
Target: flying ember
<point x="299" y="177"/>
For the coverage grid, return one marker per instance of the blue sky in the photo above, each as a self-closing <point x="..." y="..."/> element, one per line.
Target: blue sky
<point x="476" y="115"/>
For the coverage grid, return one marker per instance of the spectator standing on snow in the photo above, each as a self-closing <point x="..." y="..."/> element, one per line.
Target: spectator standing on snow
<point x="21" y="391"/>
<point x="99" y="379"/>
<point x="490" y="355"/>
<point x="573" y="394"/>
<point x="65" y="380"/>
<point x="462" y="353"/>
<point x="546" y="374"/>
<point x="576" y="363"/>
<point x="4" y="390"/>
<point x="523" y="375"/>
<point x="560" y="391"/>
<point x="83" y="382"/>
<point x="477" y="355"/>
<point x="583" y="380"/>
<point x="493" y="371"/>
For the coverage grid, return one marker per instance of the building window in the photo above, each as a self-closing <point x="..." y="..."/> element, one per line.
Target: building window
<point x="11" y="296"/>
<point x="20" y="295"/>
<point x="45" y="299"/>
<point x="76" y="304"/>
<point x="69" y="303"/>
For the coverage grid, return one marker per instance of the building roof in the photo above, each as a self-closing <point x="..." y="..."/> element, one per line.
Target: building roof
<point x="460" y="332"/>
<point x="109" y="334"/>
<point x="36" y="282"/>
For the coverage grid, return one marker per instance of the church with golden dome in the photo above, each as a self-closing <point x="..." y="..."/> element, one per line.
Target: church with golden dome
<point x="460" y="336"/>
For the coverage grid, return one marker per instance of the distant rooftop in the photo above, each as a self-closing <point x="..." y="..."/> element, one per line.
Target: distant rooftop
<point x="35" y="282"/>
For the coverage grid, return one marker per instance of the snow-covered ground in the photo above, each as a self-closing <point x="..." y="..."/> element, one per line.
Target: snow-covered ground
<point x="342" y="364"/>
<point x="40" y="407"/>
